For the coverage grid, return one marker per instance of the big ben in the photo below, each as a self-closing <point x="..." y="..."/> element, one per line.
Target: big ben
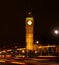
<point x="29" y="31"/>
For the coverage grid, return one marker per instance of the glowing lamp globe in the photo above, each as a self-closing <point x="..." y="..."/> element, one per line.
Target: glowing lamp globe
<point x="29" y="22"/>
<point x="56" y="32"/>
<point x="37" y="42"/>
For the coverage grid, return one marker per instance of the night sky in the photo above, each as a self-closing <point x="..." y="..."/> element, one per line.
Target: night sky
<point x="12" y="22"/>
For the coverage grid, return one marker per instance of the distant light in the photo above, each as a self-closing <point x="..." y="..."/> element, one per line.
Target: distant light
<point x="56" y="32"/>
<point x="37" y="42"/>
<point x="23" y="56"/>
<point x="0" y="52"/>
<point x="9" y="50"/>
<point x="29" y="22"/>
<point x="23" y="51"/>
<point x="29" y="13"/>
<point x="15" y="46"/>
<point x="36" y="52"/>
<point x="4" y="51"/>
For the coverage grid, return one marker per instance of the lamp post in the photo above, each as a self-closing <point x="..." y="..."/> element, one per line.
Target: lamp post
<point x="37" y="48"/>
<point x="37" y="43"/>
<point x="56" y="32"/>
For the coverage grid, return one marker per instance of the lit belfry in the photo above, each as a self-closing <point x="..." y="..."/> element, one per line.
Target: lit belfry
<point x="29" y="31"/>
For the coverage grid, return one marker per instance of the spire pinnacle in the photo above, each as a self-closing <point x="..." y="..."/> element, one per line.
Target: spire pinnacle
<point x="29" y="14"/>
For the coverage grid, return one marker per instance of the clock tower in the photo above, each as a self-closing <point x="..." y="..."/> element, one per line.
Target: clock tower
<point x="29" y="31"/>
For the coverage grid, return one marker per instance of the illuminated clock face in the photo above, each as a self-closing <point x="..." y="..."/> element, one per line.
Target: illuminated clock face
<point x="29" y="22"/>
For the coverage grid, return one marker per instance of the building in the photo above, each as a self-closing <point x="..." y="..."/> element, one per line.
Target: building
<point x="29" y="31"/>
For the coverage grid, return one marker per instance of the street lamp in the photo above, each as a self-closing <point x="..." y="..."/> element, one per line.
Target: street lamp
<point x="37" y="42"/>
<point x="56" y="32"/>
<point x="23" y="51"/>
<point x="37" y="46"/>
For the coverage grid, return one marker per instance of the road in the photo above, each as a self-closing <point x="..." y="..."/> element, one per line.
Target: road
<point x="30" y="64"/>
<point x="7" y="64"/>
<point x="28" y="61"/>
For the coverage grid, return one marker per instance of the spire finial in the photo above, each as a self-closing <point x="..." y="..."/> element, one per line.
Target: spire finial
<point x="29" y="13"/>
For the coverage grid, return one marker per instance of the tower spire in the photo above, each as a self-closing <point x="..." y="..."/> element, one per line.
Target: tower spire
<point x="29" y="14"/>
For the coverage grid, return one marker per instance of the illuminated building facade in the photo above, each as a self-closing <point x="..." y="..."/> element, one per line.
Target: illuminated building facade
<point x="29" y="31"/>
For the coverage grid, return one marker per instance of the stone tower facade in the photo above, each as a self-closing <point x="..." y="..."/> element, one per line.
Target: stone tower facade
<point x="29" y="31"/>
